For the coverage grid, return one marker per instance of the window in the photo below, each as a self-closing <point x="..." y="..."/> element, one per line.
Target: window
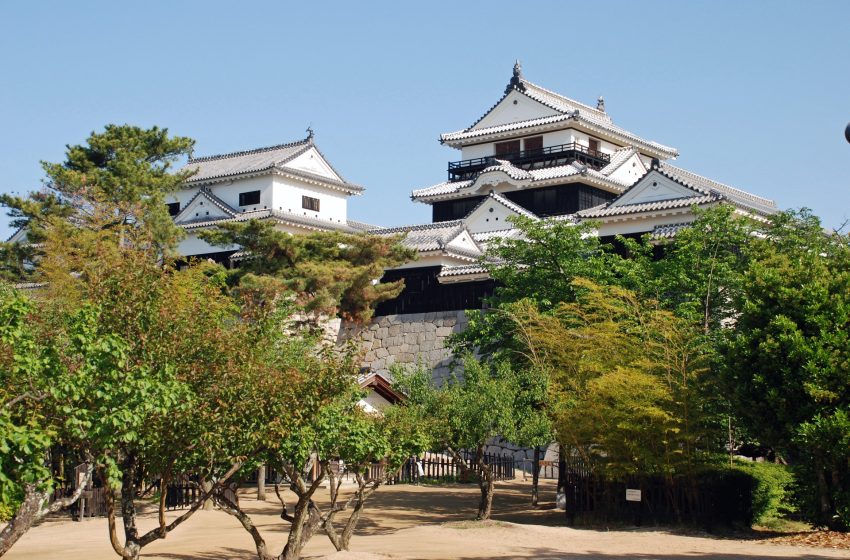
<point x="249" y="198"/>
<point x="507" y="148"/>
<point x="310" y="203"/>
<point x="593" y="146"/>
<point x="533" y="143"/>
<point x="173" y="208"/>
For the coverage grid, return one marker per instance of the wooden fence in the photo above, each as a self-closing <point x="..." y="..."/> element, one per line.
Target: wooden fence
<point x="707" y="499"/>
<point x="184" y="492"/>
<point x="439" y="467"/>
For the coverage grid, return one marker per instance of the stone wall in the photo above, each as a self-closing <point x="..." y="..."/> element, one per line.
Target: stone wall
<point x="407" y="338"/>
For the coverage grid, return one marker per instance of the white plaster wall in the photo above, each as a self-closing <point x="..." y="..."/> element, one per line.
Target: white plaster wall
<point x="632" y="170"/>
<point x="193" y="245"/>
<point x="507" y="111"/>
<point x="333" y="205"/>
<point x="183" y="196"/>
<point x="373" y="402"/>
<point x="313" y="162"/>
<point x="229" y="192"/>
<point x="483" y="219"/>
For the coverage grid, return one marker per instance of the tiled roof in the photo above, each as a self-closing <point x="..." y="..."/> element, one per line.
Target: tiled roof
<point x="448" y="187"/>
<point x="462" y="270"/>
<point x="485" y="236"/>
<point x="430" y="237"/>
<point x="534" y="175"/>
<point x="705" y="185"/>
<point x="210" y="168"/>
<point x="509" y="169"/>
<point x="247" y="161"/>
<point x="361" y="226"/>
<point x="504" y="202"/>
<point x="567" y="108"/>
<point x="618" y="158"/>
<point x="705" y="191"/>
<point x="216" y="201"/>
<point x="667" y="231"/>
<point x="604" y="210"/>
<point x="283" y="217"/>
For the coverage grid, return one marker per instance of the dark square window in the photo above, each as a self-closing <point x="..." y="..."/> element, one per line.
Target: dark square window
<point x="533" y="144"/>
<point x="249" y="198"/>
<point x="173" y="208"/>
<point x="310" y="203"/>
<point x="507" y="148"/>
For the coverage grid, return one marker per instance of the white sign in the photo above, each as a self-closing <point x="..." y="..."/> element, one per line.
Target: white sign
<point x="632" y="495"/>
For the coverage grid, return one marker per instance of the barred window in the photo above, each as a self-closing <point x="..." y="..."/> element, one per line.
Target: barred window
<point x="310" y="203"/>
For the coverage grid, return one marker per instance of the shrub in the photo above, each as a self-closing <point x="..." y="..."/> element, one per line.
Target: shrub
<point x="772" y="493"/>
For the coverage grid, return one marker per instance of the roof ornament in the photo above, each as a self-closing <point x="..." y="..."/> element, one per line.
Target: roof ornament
<point x="600" y="104"/>
<point x="656" y="163"/>
<point x="516" y="80"/>
<point x="309" y="132"/>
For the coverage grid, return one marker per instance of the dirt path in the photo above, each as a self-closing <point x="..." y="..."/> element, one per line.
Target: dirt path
<point x="410" y="522"/>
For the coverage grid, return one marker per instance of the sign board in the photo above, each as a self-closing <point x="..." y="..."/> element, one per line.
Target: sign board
<point x="632" y="495"/>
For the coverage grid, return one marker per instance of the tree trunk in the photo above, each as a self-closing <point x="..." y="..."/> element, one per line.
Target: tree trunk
<point x="26" y="514"/>
<point x="535" y="476"/>
<point x="485" y="506"/>
<point x="304" y="523"/>
<point x="562" y="469"/>
<point x="32" y="509"/>
<point x="128" y="509"/>
<point x="261" y="483"/>
<point x="206" y="486"/>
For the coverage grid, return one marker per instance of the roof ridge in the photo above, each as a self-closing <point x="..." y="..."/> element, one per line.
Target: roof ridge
<point x="417" y="227"/>
<point x="742" y="193"/>
<point x="212" y="198"/>
<point x="512" y="205"/>
<point x="306" y="141"/>
<point x="565" y="98"/>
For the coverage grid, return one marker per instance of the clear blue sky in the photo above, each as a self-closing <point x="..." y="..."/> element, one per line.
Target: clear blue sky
<point x="753" y="94"/>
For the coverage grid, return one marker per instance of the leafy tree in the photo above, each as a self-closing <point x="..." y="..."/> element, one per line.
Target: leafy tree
<point x="628" y="379"/>
<point x="488" y="401"/>
<point x="787" y="358"/>
<point x="541" y="264"/>
<point x="26" y="428"/>
<point x="329" y="425"/>
<point x="701" y="275"/>
<point x="329" y="272"/>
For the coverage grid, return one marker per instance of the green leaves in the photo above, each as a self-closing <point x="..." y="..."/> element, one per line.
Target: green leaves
<point x="329" y="273"/>
<point x="787" y="368"/>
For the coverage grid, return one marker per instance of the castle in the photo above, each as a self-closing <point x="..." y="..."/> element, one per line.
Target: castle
<point x="534" y="153"/>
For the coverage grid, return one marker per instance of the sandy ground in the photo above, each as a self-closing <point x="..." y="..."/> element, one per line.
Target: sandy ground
<point x="410" y="522"/>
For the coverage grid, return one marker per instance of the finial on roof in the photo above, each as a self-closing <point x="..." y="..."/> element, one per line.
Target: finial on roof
<point x="309" y="133"/>
<point x="516" y="79"/>
<point x="600" y="104"/>
<point x="656" y="163"/>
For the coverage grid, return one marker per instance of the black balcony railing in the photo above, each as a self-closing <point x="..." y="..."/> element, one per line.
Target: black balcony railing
<point x="551" y="156"/>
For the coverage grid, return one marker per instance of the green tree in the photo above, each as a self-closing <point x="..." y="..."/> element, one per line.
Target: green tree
<point x="330" y="426"/>
<point x="628" y="384"/>
<point x="330" y="273"/>
<point x="787" y="358"/>
<point x="463" y="415"/>
<point x="540" y="264"/>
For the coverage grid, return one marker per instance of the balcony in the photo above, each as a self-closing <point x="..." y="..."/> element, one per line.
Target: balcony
<point x="552" y="156"/>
